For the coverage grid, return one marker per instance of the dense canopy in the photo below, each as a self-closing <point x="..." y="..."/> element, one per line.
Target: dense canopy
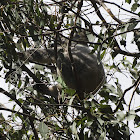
<point x="113" y="35"/>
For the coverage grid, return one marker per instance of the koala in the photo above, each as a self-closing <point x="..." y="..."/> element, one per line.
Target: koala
<point x="89" y="74"/>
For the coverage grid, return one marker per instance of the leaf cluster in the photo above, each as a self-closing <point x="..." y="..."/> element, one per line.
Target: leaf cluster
<point x="26" y="24"/>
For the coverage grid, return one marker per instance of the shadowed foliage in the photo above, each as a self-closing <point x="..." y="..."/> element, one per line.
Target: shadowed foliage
<point x="40" y="109"/>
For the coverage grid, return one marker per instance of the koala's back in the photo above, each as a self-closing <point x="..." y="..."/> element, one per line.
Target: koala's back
<point x="89" y="74"/>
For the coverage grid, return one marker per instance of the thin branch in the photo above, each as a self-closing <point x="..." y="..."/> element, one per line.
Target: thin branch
<point x="11" y="97"/>
<point x="98" y="12"/>
<point x="137" y="110"/>
<point x="41" y="86"/>
<point x="51" y="67"/>
<point x="24" y="110"/>
<point x="109" y="11"/>
<point x="118" y="50"/>
<point x="135" y="84"/>
<point x="133" y="94"/>
<point x="121" y="7"/>
<point x="17" y="112"/>
<point x="136" y="29"/>
<point x="69" y="49"/>
<point x="57" y="34"/>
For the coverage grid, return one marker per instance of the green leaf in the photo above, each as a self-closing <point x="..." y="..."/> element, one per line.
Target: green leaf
<point x="139" y="14"/>
<point x="102" y="136"/>
<point x="134" y="7"/>
<point x="132" y="25"/>
<point x="19" y="83"/>
<point x="61" y="81"/>
<point x="74" y="130"/>
<point x="43" y="129"/>
<point x="103" y="53"/>
<point x="100" y="121"/>
<point x="87" y="104"/>
<point x="91" y="38"/>
<point x="124" y="29"/>
<point x="105" y="108"/>
<point x="128" y="1"/>
<point x="20" y="100"/>
<point x="89" y="123"/>
<point x="71" y="100"/>
<point x="131" y="115"/>
<point x="120" y="115"/>
<point x="119" y="90"/>
<point x="70" y="91"/>
<point x="134" y="63"/>
<point x="39" y="67"/>
<point x="137" y="120"/>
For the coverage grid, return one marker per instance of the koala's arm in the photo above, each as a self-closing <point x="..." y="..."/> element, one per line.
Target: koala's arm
<point x="41" y="56"/>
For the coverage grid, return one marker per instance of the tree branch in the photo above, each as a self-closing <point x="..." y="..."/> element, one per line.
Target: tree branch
<point x="98" y="12"/>
<point x="57" y="34"/>
<point x="118" y="50"/>
<point x="138" y="82"/>
<point x="136" y="29"/>
<point x="12" y="97"/>
<point x="69" y="50"/>
<point x="41" y="87"/>
<point x="135" y="84"/>
<point x="24" y="110"/>
<point x="120" y="7"/>
<point x="109" y="11"/>
<point x="17" y="112"/>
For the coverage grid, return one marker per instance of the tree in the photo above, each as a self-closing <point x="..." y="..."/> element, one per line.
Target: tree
<point x="37" y="24"/>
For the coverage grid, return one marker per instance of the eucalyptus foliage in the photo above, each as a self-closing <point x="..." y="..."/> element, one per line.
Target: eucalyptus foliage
<point x="26" y="24"/>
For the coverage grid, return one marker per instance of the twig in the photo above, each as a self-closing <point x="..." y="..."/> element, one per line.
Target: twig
<point x="24" y="110"/>
<point x="121" y="7"/>
<point x="136" y="29"/>
<point x="41" y="86"/>
<point x="135" y="84"/>
<point x="98" y="12"/>
<point x="57" y="35"/>
<point x="11" y="97"/>
<point x="133" y="94"/>
<point x="17" y="112"/>
<point x="69" y="49"/>
<point x="109" y="11"/>
<point x="118" y="50"/>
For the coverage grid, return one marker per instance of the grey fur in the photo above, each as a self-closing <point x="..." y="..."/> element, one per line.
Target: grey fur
<point x="90" y="73"/>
